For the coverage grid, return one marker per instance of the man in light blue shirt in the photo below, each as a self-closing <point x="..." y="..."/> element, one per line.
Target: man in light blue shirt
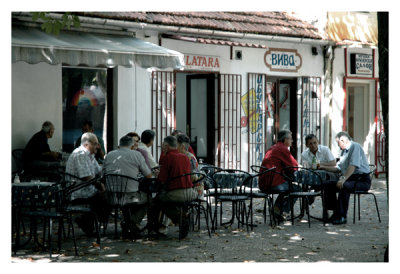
<point x="354" y="167"/>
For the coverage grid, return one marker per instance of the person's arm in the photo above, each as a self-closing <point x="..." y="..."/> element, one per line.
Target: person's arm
<point x="329" y="168"/>
<point x="328" y="164"/>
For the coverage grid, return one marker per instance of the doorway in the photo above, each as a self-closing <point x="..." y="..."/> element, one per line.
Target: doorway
<point x="358" y="112"/>
<point x="200" y="115"/>
<point x="283" y="94"/>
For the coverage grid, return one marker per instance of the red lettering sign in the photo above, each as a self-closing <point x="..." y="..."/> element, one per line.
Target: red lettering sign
<point x="202" y="62"/>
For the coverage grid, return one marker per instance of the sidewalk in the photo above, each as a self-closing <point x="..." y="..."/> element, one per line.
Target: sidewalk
<point x="364" y="241"/>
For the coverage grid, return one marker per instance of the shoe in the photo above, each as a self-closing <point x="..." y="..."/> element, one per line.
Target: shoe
<point x="339" y="221"/>
<point x="84" y="226"/>
<point x="277" y="214"/>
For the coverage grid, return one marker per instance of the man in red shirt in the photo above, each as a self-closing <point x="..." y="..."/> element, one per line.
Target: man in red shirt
<point x="176" y="188"/>
<point x="279" y="156"/>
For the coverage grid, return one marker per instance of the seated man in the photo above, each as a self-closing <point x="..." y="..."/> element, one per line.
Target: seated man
<point x="354" y="167"/>
<point x="175" y="190"/>
<point x="37" y="153"/>
<point x="183" y="145"/>
<point x="87" y="126"/>
<point x="322" y="153"/>
<point x="81" y="163"/>
<point x="127" y="161"/>
<point x="147" y="141"/>
<point x="279" y="156"/>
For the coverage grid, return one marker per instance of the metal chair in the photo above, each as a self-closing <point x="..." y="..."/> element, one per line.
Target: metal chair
<point x="228" y="187"/>
<point x="255" y="193"/>
<point x="116" y="186"/>
<point x="194" y="207"/>
<point x="358" y="193"/>
<point x="311" y="187"/>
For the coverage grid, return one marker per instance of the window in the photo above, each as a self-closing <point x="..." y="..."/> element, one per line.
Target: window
<point x="84" y="99"/>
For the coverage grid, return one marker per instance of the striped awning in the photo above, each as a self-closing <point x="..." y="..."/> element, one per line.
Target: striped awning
<point x="95" y="50"/>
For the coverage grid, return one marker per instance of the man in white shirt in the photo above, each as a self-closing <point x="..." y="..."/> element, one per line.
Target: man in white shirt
<point x="147" y="139"/>
<point x="322" y="153"/>
<point x="127" y="161"/>
<point x="82" y="164"/>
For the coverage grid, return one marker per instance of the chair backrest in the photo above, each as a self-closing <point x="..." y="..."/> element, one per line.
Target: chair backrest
<point x="229" y="180"/>
<point x="116" y="186"/>
<point x="266" y="175"/>
<point x="17" y="156"/>
<point x="209" y="170"/>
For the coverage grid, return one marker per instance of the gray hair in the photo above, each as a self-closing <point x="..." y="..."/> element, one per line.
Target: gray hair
<point x="283" y="134"/>
<point x="183" y="140"/>
<point x="176" y="132"/>
<point x="88" y="137"/>
<point x="171" y="141"/>
<point x="47" y="126"/>
<point x="126" y="141"/>
<point x="343" y="133"/>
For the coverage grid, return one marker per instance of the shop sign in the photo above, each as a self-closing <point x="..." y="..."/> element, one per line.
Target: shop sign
<point x="202" y="62"/>
<point x="285" y="60"/>
<point x="361" y="63"/>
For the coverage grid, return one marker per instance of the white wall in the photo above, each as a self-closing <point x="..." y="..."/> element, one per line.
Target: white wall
<point x="36" y="97"/>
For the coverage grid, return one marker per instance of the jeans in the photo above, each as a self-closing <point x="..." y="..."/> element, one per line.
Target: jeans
<point x="282" y="201"/>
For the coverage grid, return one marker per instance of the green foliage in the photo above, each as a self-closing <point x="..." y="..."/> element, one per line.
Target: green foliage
<point x="53" y="25"/>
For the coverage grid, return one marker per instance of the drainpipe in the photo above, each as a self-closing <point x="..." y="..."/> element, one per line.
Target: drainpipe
<point x="134" y="26"/>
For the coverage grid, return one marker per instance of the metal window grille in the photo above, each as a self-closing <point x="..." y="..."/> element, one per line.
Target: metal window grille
<point x="229" y="131"/>
<point x="253" y="103"/>
<point x="163" y="108"/>
<point x="310" y="108"/>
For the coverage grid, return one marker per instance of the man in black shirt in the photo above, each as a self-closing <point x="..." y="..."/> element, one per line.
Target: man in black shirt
<point x="37" y="153"/>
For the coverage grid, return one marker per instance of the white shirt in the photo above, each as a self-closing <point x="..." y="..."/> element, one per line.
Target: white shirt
<point x="149" y="155"/>
<point x="324" y="155"/>
<point x="82" y="163"/>
<point x="127" y="162"/>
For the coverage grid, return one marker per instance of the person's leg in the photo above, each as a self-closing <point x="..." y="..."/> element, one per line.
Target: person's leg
<point x="344" y="195"/>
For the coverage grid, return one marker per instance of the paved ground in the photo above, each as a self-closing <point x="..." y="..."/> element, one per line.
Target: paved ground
<point x="364" y="241"/>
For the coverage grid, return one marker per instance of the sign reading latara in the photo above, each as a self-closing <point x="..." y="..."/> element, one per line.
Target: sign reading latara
<point x="288" y="60"/>
<point x="202" y="62"/>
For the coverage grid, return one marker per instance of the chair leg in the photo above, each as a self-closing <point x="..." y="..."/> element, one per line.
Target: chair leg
<point x="354" y="208"/>
<point x="359" y="207"/>
<point x="376" y="205"/>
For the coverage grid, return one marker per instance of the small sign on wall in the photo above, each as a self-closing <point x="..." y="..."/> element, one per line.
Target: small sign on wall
<point x="286" y="60"/>
<point x="361" y="64"/>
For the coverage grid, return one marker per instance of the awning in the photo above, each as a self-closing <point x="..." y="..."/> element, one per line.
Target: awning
<point x="80" y="48"/>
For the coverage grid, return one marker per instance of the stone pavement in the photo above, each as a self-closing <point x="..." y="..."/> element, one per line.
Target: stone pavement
<point x="364" y="241"/>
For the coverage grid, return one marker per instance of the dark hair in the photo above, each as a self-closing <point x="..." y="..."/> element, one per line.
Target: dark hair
<point x="310" y="136"/>
<point x="147" y="136"/>
<point x="171" y="141"/>
<point x="133" y="134"/>
<point x="89" y="123"/>
<point x="283" y="134"/>
<point x="343" y="133"/>
<point x="176" y="132"/>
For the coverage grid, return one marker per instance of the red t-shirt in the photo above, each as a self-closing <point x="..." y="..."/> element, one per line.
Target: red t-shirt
<point x="174" y="164"/>
<point x="280" y="157"/>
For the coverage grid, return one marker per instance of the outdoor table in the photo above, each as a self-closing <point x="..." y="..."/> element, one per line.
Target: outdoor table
<point x="22" y="198"/>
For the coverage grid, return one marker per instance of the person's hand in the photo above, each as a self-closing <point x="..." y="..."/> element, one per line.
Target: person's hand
<point x="55" y="155"/>
<point x="340" y="183"/>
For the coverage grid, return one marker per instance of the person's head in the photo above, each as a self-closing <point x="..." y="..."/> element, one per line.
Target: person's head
<point x="285" y="136"/>
<point x="312" y="143"/>
<point x="148" y="137"/>
<point x="90" y="142"/>
<point x="183" y="142"/>
<point x="127" y="141"/>
<point x="87" y="126"/>
<point x="170" y="143"/>
<point x="343" y="139"/>
<point x="176" y="132"/>
<point x="48" y="128"/>
<point x="135" y="137"/>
